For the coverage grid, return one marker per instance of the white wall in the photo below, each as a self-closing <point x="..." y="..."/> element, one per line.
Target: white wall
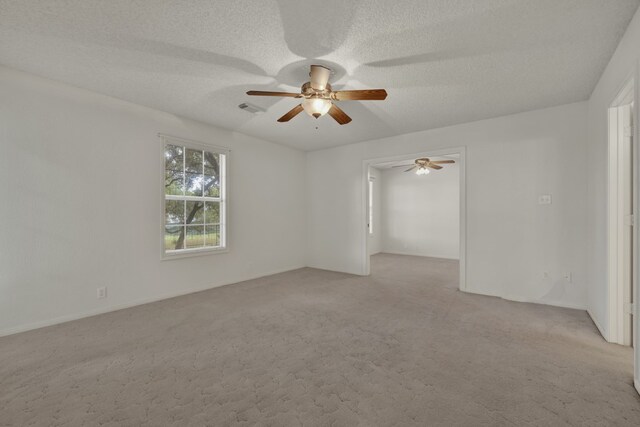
<point x="421" y="214"/>
<point x="511" y="240"/>
<point x="375" y="239"/>
<point x="80" y="184"/>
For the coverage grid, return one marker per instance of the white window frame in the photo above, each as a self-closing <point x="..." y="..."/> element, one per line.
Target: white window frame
<point x="223" y="199"/>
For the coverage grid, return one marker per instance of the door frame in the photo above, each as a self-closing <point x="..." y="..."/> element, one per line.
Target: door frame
<point x="461" y="152"/>
<point x="617" y="265"/>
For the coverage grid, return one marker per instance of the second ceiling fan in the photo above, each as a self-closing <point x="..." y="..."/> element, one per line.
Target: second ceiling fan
<point x="424" y="163"/>
<point x="319" y="97"/>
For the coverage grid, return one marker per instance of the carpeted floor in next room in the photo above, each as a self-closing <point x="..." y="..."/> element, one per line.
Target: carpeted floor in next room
<point x="316" y="348"/>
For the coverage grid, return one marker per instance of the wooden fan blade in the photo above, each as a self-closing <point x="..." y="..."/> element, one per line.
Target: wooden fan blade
<point x="399" y="166"/>
<point x="432" y="166"/>
<point x="339" y="115"/>
<point x="442" y="162"/>
<point x="291" y="114"/>
<point x="265" y="93"/>
<point x="411" y="168"/>
<point x="360" y="95"/>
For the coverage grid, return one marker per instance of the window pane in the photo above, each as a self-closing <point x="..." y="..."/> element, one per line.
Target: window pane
<point x="211" y="186"/>
<point x="193" y="161"/>
<point x="212" y="212"/>
<point x="172" y="235"/>
<point x="212" y="235"/>
<point x="195" y="236"/>
<point x="211" y="164"/>
<point x="173" y="169"/>
<point x="174" y="211"/>
<point x="194" y="185"/>
<point x="195" y="211"/>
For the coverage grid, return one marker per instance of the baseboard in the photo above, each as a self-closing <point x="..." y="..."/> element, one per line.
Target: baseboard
<point x="416" y="254"/>
<point x="561" y="304"/>
<point x="598" y="325"/>
<point x="334" y="270"/>
<point x="116" y="307"/>
<point x="516" y="298"/>
<point x="553" y="303"/>
<point x="485" y="294"/>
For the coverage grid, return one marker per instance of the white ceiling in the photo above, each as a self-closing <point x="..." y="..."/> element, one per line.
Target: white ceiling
<point x="442" y="62"/>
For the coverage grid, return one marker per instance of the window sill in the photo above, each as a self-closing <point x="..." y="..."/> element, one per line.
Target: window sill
<point x="190" y="253"/>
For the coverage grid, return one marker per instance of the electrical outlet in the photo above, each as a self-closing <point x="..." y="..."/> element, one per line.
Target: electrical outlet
<point x="101" y="292"/>
<point x="544" y="199"/>
<point x="568" y="277"/>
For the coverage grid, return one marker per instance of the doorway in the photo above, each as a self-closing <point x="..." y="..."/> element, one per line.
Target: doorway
<point x="621" y="218"/>
<point x="394" y="211"/>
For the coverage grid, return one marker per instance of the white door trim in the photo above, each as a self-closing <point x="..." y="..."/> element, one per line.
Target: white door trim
<point x="619" y="259"/>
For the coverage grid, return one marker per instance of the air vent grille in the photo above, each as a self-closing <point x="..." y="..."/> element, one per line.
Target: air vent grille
<point x="251" y="108"/>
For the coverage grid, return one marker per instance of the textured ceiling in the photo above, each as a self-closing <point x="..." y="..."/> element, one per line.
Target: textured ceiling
<point x="442" y="62"/>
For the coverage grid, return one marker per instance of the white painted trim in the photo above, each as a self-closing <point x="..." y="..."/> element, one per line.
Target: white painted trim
<point x="462" y="249"/>
<point x="116" y="307"/>
<point x="617" y="263"/>
<point x="370" y="218"/>
<point x="483" y="293"/>
<point x="612" y="223"/>
<point x="204" y="145"/>
<point x="560" y="304"/>
<point x="516" y="298"/>
<point x="417" y="254"/>
<point x="554" y="303"/>
<point x="626" y="91"/>
<point x="461" y="151"/>
<point x="635" y="75"/>
<point x="196" y="252"/>
<point x="598" y="325"/>
<point x="222" y="199"/>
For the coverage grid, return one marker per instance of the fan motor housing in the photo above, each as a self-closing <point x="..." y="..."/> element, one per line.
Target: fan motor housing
<point x="310" y="92"/>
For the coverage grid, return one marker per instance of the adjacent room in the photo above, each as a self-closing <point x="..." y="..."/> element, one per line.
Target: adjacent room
<point x="414" y="210"/>
<point x="292" y="213"/>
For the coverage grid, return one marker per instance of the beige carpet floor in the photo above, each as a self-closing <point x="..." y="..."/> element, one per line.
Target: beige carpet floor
<point x="316" y="348"/>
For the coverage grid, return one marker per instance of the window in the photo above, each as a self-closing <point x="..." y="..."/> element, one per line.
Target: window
<point x="194" y="198"/>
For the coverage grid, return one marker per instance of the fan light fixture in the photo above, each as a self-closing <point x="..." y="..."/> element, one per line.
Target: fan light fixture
<point x="422" y="171"/>
<point x="316" y="107"/>
<point x="319" y="99"/>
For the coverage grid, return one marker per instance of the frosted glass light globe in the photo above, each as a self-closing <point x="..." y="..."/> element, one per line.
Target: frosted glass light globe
<point x="316" y="107"/>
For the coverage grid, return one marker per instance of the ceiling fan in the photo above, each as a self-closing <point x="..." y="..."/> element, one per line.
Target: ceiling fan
<point x="424" y="163"/>
<point x="319" y="98"/>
